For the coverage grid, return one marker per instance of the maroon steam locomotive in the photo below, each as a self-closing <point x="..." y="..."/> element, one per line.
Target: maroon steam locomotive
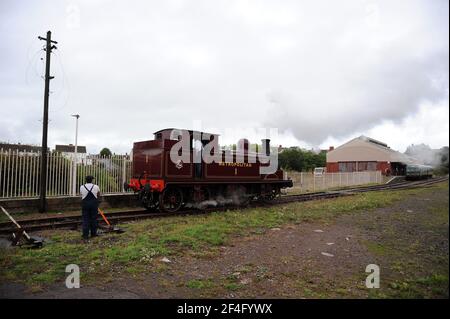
<point x="167" y="176"/>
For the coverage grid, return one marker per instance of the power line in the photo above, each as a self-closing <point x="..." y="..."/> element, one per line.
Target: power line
<point x="32" y="64"/>
<point x="64" y="90"/>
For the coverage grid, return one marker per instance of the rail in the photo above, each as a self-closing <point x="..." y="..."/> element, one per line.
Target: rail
<point x="73" y="221"/>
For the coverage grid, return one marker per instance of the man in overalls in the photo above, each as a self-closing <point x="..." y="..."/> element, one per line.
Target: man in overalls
<point x="89" y="194"/>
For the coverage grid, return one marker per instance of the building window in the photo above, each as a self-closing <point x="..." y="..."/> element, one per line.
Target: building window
<point x="357" y="166"/>
<point x="367" y="166"/>
<point x="347" y="166"/>
<point x="371" y="166"/>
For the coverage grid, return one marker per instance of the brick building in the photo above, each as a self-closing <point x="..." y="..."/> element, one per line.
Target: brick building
<point x="68" y="151"/>
<point x="20" y="148"/>
<point x="367" y="154"/>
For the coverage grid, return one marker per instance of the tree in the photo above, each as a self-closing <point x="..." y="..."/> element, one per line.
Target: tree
<point x="299" y="160"/>
<point x="105" y="152"/>
<point x="443" y="166"/>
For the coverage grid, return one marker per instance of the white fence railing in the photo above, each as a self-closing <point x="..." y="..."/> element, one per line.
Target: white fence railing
<point x="20" y="173"/>
<point x="309" y="182"/>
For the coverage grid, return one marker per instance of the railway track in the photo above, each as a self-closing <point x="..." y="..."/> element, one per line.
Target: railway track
<point x="74" y="221"/>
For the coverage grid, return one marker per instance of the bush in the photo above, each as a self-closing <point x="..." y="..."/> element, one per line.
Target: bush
<point x="299" y="160"/>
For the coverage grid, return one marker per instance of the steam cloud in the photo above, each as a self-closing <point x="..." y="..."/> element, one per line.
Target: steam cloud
<point x="353" y="77"/>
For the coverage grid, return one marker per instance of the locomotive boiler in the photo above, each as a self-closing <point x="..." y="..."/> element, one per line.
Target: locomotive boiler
<point x="183" y="167"/>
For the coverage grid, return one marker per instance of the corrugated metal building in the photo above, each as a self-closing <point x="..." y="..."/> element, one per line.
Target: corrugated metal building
<point x="367" y="154"/>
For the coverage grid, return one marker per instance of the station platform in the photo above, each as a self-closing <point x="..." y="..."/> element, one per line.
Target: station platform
<point x="396" y="179"/>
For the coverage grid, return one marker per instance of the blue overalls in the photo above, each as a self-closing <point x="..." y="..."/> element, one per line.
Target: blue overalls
<point x="89" y="212"/>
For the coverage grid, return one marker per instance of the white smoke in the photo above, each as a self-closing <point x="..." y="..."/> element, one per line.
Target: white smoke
<point x="424" y="154"/>
<point x="353" y="75"/>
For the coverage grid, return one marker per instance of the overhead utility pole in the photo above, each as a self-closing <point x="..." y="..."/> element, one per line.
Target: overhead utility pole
<point x="50" y="45"/>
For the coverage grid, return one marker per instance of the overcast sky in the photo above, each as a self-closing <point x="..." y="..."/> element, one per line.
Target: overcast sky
<point x="321" y="72"/>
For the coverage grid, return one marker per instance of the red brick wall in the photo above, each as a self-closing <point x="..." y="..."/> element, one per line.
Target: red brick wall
<point x="384" y="167"/>
<point x="332" y="167"/>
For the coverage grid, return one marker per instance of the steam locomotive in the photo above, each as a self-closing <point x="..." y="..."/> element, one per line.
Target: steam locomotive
<point x="183" y="167"/>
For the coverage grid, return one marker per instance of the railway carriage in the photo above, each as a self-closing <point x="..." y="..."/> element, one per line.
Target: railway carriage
<point x="167" y="184"/>
<point x="415" y="171"/>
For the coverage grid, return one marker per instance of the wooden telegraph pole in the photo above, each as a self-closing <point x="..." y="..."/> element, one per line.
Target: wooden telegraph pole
<point x="43" y="176"/>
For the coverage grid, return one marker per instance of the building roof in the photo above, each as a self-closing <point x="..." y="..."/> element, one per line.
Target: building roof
<point x="179" y="130"/>
<point x="364" y="149"/>
<point x="20" y="147"/>
<point x="70" y="148"/>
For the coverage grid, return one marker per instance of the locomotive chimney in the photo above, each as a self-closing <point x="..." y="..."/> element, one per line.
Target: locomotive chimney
<point x="266" y="145"/>
<point x="243" y="145"/>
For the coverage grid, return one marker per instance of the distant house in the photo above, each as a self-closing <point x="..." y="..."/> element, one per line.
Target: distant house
<point x="19" y="148"/>
<point x="367" y="154"/>
<point x="68" y="151"/>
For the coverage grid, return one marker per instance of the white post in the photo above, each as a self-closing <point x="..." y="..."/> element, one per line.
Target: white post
<point x="301" y="182"/>
<point x="74" y="169"/>
<point x="1" y="169"/>
<point x="124" y="165"/>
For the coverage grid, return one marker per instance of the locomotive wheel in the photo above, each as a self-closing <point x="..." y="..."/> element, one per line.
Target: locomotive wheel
<point x="244" y="201"/>
<point x="171" y="199"/>
<point x="244" y="198"/>
<point x="201" y="194"/>
<point x="151" y="204"/>
<point x="147" y="198"/>
<point x="269" y="197"/>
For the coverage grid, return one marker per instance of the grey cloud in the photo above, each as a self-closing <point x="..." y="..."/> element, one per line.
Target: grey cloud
<point x="312" y="67"/>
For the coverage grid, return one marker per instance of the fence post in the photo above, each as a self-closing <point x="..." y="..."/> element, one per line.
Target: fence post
<point x="1" y="170"/>
<point x="71" y="174"/>
<point x="124" y="165"/>
<point x="301" y="182"/>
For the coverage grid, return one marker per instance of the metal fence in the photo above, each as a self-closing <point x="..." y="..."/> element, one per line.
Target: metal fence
<point x="20" y="173"/>
<point x="309" y="182"/>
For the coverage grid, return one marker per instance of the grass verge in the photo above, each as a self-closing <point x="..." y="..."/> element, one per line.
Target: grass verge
<point x="145" y="242"/>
